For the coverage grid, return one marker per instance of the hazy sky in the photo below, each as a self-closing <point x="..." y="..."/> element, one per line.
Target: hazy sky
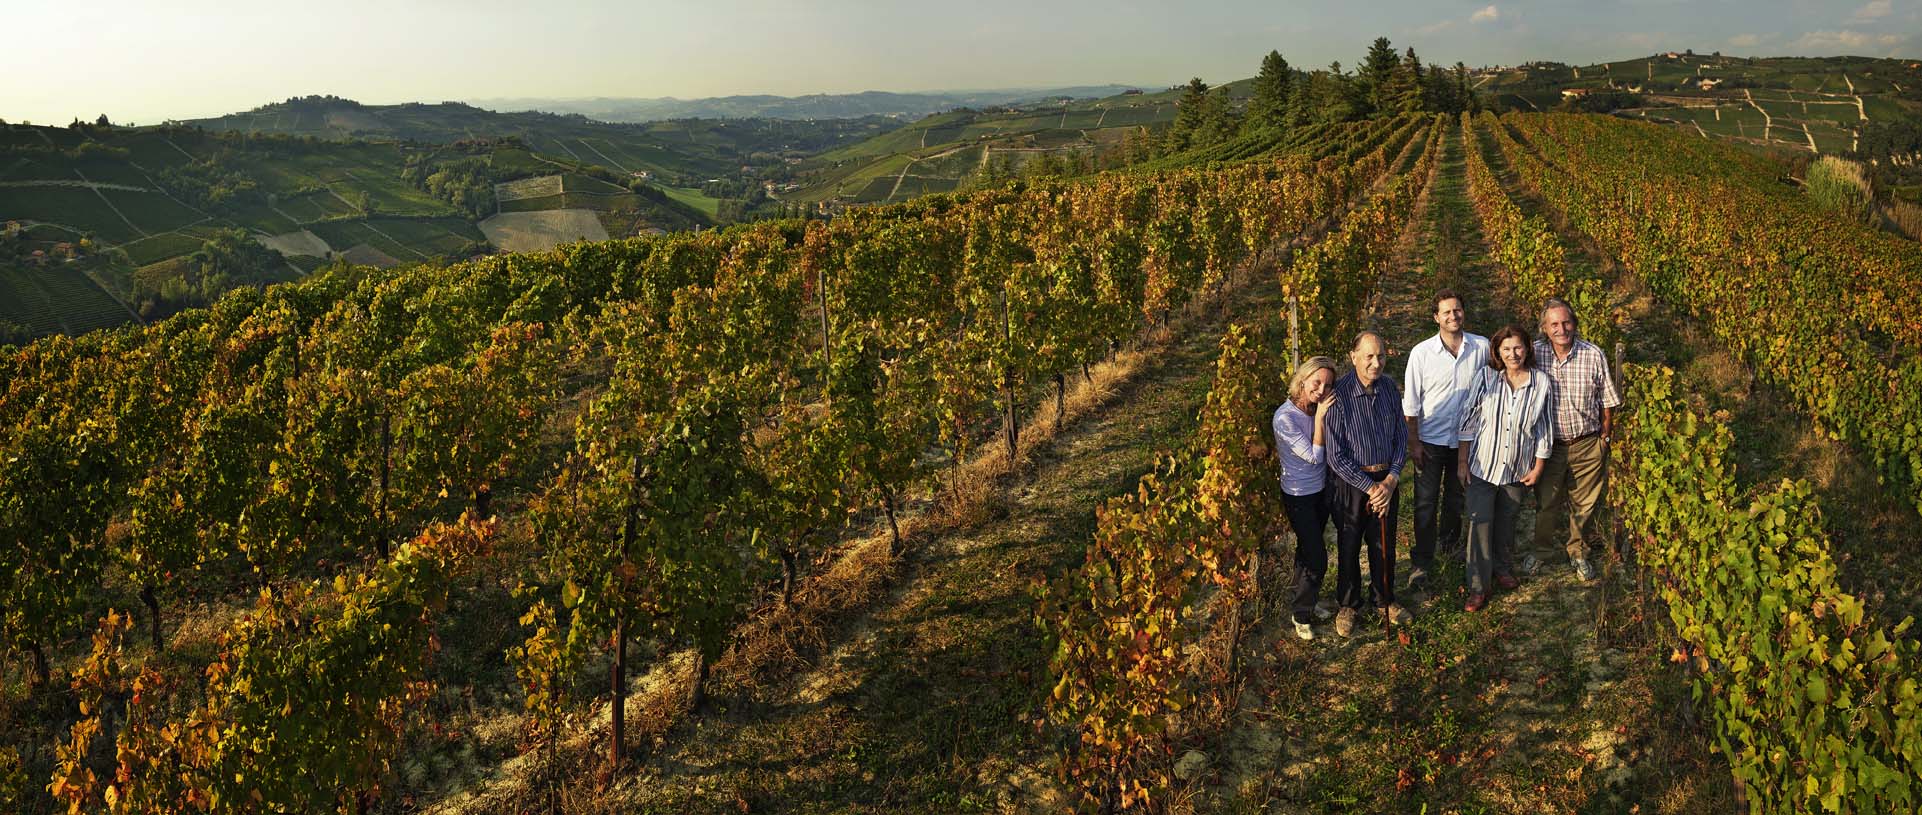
<point x="142" y="61"/>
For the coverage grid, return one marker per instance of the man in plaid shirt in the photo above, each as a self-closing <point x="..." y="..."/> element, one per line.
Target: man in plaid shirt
<point x="1585" y="402"/>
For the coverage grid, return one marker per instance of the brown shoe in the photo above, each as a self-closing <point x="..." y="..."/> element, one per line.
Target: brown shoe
<point x="1345" y="622"/>
<point x="1399" y="615"/>
<point x="1475" y="602"/>
<point x="1506" y="581"/>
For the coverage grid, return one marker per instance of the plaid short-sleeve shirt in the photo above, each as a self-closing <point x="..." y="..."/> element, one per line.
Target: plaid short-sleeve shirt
<point x="1582" y="387"/>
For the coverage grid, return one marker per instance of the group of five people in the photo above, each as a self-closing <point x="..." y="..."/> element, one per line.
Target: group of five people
<point x="1483" y="421"/>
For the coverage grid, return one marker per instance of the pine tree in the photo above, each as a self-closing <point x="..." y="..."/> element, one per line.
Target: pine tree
<point x="1335" y="97"/>
<point x="1411" y="85"/>
<point x="1465" y="95"/>
<point x="1192" y="113"/>
<point x="1440" y="90"/>
<point x="1218" y="121"/>
<point x="1375" y="75"/>
<point x="1300" y="108"/>
<point x="1268" y="108"/>
<point x="1393" y="97"/>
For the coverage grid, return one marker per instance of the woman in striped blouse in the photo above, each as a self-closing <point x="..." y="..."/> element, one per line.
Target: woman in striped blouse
<point x="1507" y="434"/>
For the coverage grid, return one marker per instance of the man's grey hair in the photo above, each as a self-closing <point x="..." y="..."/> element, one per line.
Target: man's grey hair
<point x="1553" y="303"/>
<point x="1365" y="335"/>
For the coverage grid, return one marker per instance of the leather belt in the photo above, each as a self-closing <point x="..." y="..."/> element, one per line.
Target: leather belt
<point x="1375" y="468"/>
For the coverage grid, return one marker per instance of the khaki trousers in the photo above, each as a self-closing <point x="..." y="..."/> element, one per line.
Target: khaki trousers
<point x="1571" y="484"/>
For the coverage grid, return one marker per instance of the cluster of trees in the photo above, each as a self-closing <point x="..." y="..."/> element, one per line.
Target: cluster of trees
<point x="741" y="198"/>
<point x="466" y="183"/>
<point x="1601" y="102"/>
<point x="1284" y="98"/>
<point x="1882" y="140"/>
<point x="229" y="260"/>
<point x="209" y="184"/>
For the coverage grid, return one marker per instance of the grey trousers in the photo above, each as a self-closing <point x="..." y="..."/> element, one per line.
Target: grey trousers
<point x="1492" y="510"/>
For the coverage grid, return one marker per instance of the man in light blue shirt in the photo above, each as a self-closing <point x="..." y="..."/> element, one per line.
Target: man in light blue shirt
<point x="1440" y="372"/>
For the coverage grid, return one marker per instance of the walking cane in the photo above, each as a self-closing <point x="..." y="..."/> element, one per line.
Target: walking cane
<point x="1387" y="616"/>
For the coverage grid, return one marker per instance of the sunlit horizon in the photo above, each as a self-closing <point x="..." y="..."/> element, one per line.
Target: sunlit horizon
<point x="142" y="64"/>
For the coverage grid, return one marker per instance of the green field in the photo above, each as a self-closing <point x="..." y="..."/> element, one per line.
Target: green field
<point x="151" y="211"/>
<point x="343" y="235"/>
<point x="693" y="198"/>
<point x="56" y="299"/>
<point x="79" y="208"/>
<point x="156" y="248"/>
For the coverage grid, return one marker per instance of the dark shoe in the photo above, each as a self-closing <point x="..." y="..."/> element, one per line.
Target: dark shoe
<point x="1475" y="602"/>
<point x="1506" y="581"/>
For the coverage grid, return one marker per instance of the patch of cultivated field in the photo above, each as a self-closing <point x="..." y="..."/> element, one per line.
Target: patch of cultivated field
<point x="536" y="231"/>
<point x="538" y="187"/>
<point x="364" y="255"/>
<point x="304" y="242"/>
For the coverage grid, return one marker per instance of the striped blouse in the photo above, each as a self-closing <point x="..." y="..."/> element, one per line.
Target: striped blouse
<point x="1507" y="425"/>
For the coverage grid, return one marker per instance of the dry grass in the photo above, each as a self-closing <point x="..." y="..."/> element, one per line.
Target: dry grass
<point x="1903" y="218"/>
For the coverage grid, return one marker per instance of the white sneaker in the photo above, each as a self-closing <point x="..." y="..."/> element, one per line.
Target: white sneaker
<point x="1303" y="631"/>
<point x="1583" y="570"/>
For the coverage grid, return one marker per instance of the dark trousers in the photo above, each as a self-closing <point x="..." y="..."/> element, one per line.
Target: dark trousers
<point x="1437" y="487"/>
<point x="1492" y="509"/>
<point x="1356" y="525"/>
<point x="1308" y="517"/>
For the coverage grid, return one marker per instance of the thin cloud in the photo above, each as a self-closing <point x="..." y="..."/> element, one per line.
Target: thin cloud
<point x="1489" y="14"/>
<point x="1744" y="41"/>
<point x="1873" y="10"/>
<point x="1644" y="40"/>
<point x="1855" y="42"/>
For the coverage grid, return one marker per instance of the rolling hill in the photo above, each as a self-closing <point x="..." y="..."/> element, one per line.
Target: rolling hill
<point x="112" y="211"/>
<point x="808" y="106"/>
<point x="940" y="152"/>
<point x="114" y="214"/>
<point x="683" y="152"/>
<point x="1818" y="105"/>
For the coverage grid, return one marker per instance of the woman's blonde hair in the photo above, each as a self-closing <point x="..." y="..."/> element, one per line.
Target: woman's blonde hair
<point x="1307" y="369"/>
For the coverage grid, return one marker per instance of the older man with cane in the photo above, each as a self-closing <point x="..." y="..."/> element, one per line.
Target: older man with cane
<point x="1366" y="447"/>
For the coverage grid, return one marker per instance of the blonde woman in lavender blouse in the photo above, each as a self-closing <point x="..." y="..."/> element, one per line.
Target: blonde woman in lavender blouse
<point x="1304" y="478"/>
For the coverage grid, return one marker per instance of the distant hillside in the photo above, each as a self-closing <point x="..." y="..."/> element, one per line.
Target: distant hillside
<point x="682" y="152"/>
<point x="811" y="106"/>
<point x="1796" y="103"/>
<point x="102" y="223"/>
<point x="941" y="152"/>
